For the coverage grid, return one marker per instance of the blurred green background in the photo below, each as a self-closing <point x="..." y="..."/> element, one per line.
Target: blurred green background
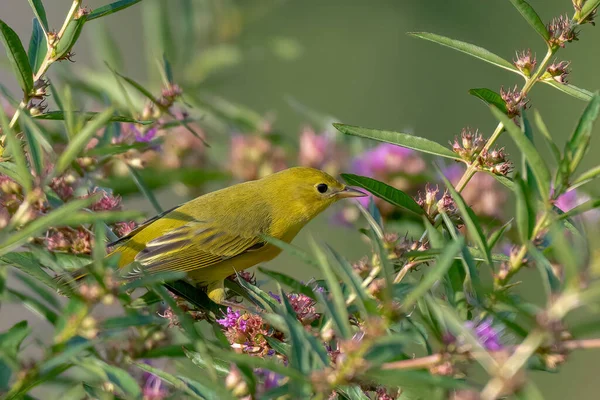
<point x="353" y="60"/>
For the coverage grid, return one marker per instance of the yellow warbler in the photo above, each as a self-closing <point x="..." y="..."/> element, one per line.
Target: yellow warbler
<point x="219" y="233"/>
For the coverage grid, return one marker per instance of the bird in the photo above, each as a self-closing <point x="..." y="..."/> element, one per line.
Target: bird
<point x="223" y="232"/>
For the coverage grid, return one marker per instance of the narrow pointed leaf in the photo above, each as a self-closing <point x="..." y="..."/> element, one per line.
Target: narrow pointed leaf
<point x="552" y="284"/>
<point x="36" y="156"/>
<point x="61" y="116"/>
<point x="17" y="57"/>
<point x="400" y="139"/>
<point x="468" y="48"/>
<point x="388" y="193"/>
<point x="578" y="144"/>
<point x="571" y="90"/>
<point x="111" y="8"/>
<point x="339" y="312"/>
<point x="16" y="152"/>
<point x="588" y="7"/>
<point x="543" y="129"/>
<point x="471" y="221"/>
<point x="139" y="181"/>
<point x="498" y="234"/>
<point x="352" y="280"/>
<point x="526" y="213"/>
<point x="531" y="17"/>
<point x="289" y="281"/>
<point x="586" y="177"/>
<point x="489" y="97"/>
<point x="78" y="143"/>
<point x="538" y="166"/>
<point x="37" y="46"/>
<point x="40" y="13"/>
<point x="437" y="272"/>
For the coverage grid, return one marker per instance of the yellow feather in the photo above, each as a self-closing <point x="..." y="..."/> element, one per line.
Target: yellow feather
<point x="219" y="233"/>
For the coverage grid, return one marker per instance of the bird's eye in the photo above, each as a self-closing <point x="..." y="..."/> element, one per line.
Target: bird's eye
<point x="322" y="188"/>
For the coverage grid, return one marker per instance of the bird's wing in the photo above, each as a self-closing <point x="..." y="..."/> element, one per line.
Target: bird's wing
<point x="139" y="228"/>
<point x="197" y="244"/>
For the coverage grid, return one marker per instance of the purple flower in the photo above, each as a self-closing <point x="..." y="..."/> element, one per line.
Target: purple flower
<point x="270" y="381"/>
<point x="230" y="318"/>
<point x="572" y="199"/>
<point x="144" y="137"/>
<point x="152" y="389"/>
<point x="381" y="159"/>
<point x="487" y="335"/>
<point x="276" y="297"/>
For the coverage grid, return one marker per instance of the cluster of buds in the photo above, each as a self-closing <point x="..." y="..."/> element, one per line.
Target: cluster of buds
<point x="254" y="156"/>
<point x="470" y="145"/>
<point x="561" y="31"/>
<point x="557" y="71"/>
<point x="515" y="101"/>
<point x="247" y="332"/>
<point x="398" y="246"/>
<point x="19" y="208"/>
<point x="495" y="161"/>
<point x="39" y="89"/>
<point x="525" y="62"/>
<point x="81" y="11"/>
<point x="169" y="95"/>
<point x="433" y="206"/>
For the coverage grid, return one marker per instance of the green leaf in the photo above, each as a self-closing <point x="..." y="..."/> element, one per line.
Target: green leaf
<point x="108" y="217"/>
<point x="289" y="281"/>
<point x="262" y="298"/>
<point x="153" y="279"/>
<point x="121" y="378"/>
<point x="17" y="57"/>
<point x="16" y="151"/>
<point x="36" y="155"/>
<point x="11" y="340"/>
<point x="588" y="7"/>
<point x="498" y="234"/>
<point x="78" y="143"/>
<point x="536" y="162"/>
<point x="33" y="304"/>
<point x="37" y="46"/>
<point x="471" y="221"/>
<point x="69" y="37"/>
<point x="339" y="312"/>
<point x="29" y="264"/>
<point x="400" y="139"/>
<point x="132" y="320"/>
<point x="490" y="97"/>
<point x="388" y="193"/>
<point x="353" y="281"/>
<point x="567" y="254"/>
<point x="586" y="177"/>
<point x="36" y="227"/>
<point x="208" y="389"/>
<point x="434" y="274"/>
<point x="579" y="142"/>
<point x="571" y="90"/>
<point x="139" y="181"/>
<point x="551" y="282"/>
<point x="61" y="116"/>
<point x="539" y="122"/>
<point x="467" y="48"/>
<point x="526" y="212"/>
<point x="10" y="169"/>
<point x="42" y="291"/>
<point x="111" y="8"/>
<point x="40" y="13"/>
<point x="532" y="18"/>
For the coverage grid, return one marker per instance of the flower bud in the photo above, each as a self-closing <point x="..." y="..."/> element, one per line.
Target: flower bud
<point x="525" y="62"/>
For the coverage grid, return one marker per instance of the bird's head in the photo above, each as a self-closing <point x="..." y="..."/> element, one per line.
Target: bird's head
<point x="309" y="191"/>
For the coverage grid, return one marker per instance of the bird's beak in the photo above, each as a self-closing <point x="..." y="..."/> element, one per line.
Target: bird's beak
<point x="350" y="192"/>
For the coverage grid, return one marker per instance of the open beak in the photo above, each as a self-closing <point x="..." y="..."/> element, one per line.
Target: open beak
<point x="350" y="192"/>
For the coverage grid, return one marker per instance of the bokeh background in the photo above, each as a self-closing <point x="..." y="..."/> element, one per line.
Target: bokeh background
<point x="353" y="61"/>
